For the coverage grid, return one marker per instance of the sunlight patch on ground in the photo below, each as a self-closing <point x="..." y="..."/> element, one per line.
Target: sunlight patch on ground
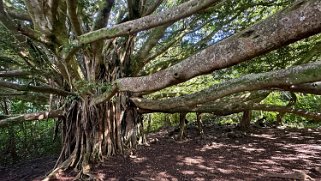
<point x="284" y="158"/>
<point x="225" y="171"/>
<point x="165" y="176"/>
<point x="138" y="159"/>
<point x="188" y="172"/>
<point x="204" y="167"/>
<point x="101" y="176"/>
<point x="267" y="136"/>
<point x="302" y="156"/>
<point x="257" y="163"/>
<point x="145" y="172"/>
<point x="311" y="149"/>
<point x="211" y="146"/>
<point x="270" y="162"/>
<point x="193" y="161"/>
<point x="249" y="150"/>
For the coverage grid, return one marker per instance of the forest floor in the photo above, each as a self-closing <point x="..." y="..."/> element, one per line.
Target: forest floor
<point x="224" y="154"/>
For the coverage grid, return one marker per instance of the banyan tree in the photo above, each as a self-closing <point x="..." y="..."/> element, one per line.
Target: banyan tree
<point x="93" y="63"/>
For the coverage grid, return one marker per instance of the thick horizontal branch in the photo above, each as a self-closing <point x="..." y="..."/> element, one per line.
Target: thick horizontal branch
<point x="30" y="117"/>
<point x="41" y="89"/>
<point x="283" y="109"/>
<point x="311" y="88"/>
<point x="299" y="21"/>
<point x="223" y="106"/>
<point x="240" y="107"/>
<point x="4" y="117"/>
<point x="147" y="22"/>
<point x="231" y="105"/>
<point x="280" y="78"/>
<point x="18" y="15"/>
<point x="14" y="73"/>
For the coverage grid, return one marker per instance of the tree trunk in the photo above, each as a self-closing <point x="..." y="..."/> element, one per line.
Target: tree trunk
<point x="182" y="125"/>
<point x="279" y="118"/>
<point x="93" y="132"/>
<point x="199" y="124"/>
<point x="246" y="120"/>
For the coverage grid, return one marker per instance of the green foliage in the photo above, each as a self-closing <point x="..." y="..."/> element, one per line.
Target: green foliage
<point x="155" y="121"/>
<point x="307" y="102"/>
<point x="86" y="87"/>
<point x="228" y="120"/>
<point x="28" y="140"/>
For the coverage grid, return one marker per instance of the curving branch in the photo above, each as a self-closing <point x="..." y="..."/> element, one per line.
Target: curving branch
<point x="73" y="17"/>
<point x="223" y="106"/>
<point x="274" y="79"/>
<point x="14" y="73"/>
<point x="41" y="89"/>
<point x="18" y="15"/>
<point x="30" y="117"/>
<point x="103" y="15"/>
<point x="284" y="109"/>
<point x="241" y="107"/>
<point x="297" y="22"/>
<point x="243" y="102"/>
<point x="8" y="23"/>
<point x="311" y="88"/>
<point x="142" y="54"/>
<point x="144" y="23"/>
<point x="19" y="31"/>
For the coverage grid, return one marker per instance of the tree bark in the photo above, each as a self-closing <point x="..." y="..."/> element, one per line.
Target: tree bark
<point x="245" y="122"/>
<point x="199" y="124"/>
<point x="182" y="126"/>
<point x="274" y="79"/>
<point x="30" y="117"/>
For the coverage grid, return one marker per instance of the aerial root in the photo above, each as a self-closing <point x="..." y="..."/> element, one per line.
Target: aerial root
<point x="62" y="167"/>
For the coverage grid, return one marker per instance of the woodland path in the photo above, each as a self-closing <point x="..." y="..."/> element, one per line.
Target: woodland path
<point x="224" y="154"/>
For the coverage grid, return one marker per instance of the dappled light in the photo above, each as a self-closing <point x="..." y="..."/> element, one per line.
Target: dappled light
<point x="253" y="156"/>
<point x="138" y="90"/>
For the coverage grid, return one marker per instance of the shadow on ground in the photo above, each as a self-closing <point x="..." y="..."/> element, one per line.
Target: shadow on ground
<point x="224" y="154"/>
<point x="221" y="156"/>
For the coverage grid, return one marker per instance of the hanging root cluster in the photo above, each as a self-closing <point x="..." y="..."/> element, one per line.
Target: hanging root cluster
<point x="92" y="133"/>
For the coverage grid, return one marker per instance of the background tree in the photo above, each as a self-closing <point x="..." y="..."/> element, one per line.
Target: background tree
<point x="94" y="62"/>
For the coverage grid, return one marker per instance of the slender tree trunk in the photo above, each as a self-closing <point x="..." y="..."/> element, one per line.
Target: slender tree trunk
<point x="167" y="121"/>
<point x="200" y="124"/>
<point x="182" y="126"/>
<point x="279" y="118"/>
<point x="246" y="120"/>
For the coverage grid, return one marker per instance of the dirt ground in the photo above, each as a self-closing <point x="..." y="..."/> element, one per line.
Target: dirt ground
<point x="224" y="154"/>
